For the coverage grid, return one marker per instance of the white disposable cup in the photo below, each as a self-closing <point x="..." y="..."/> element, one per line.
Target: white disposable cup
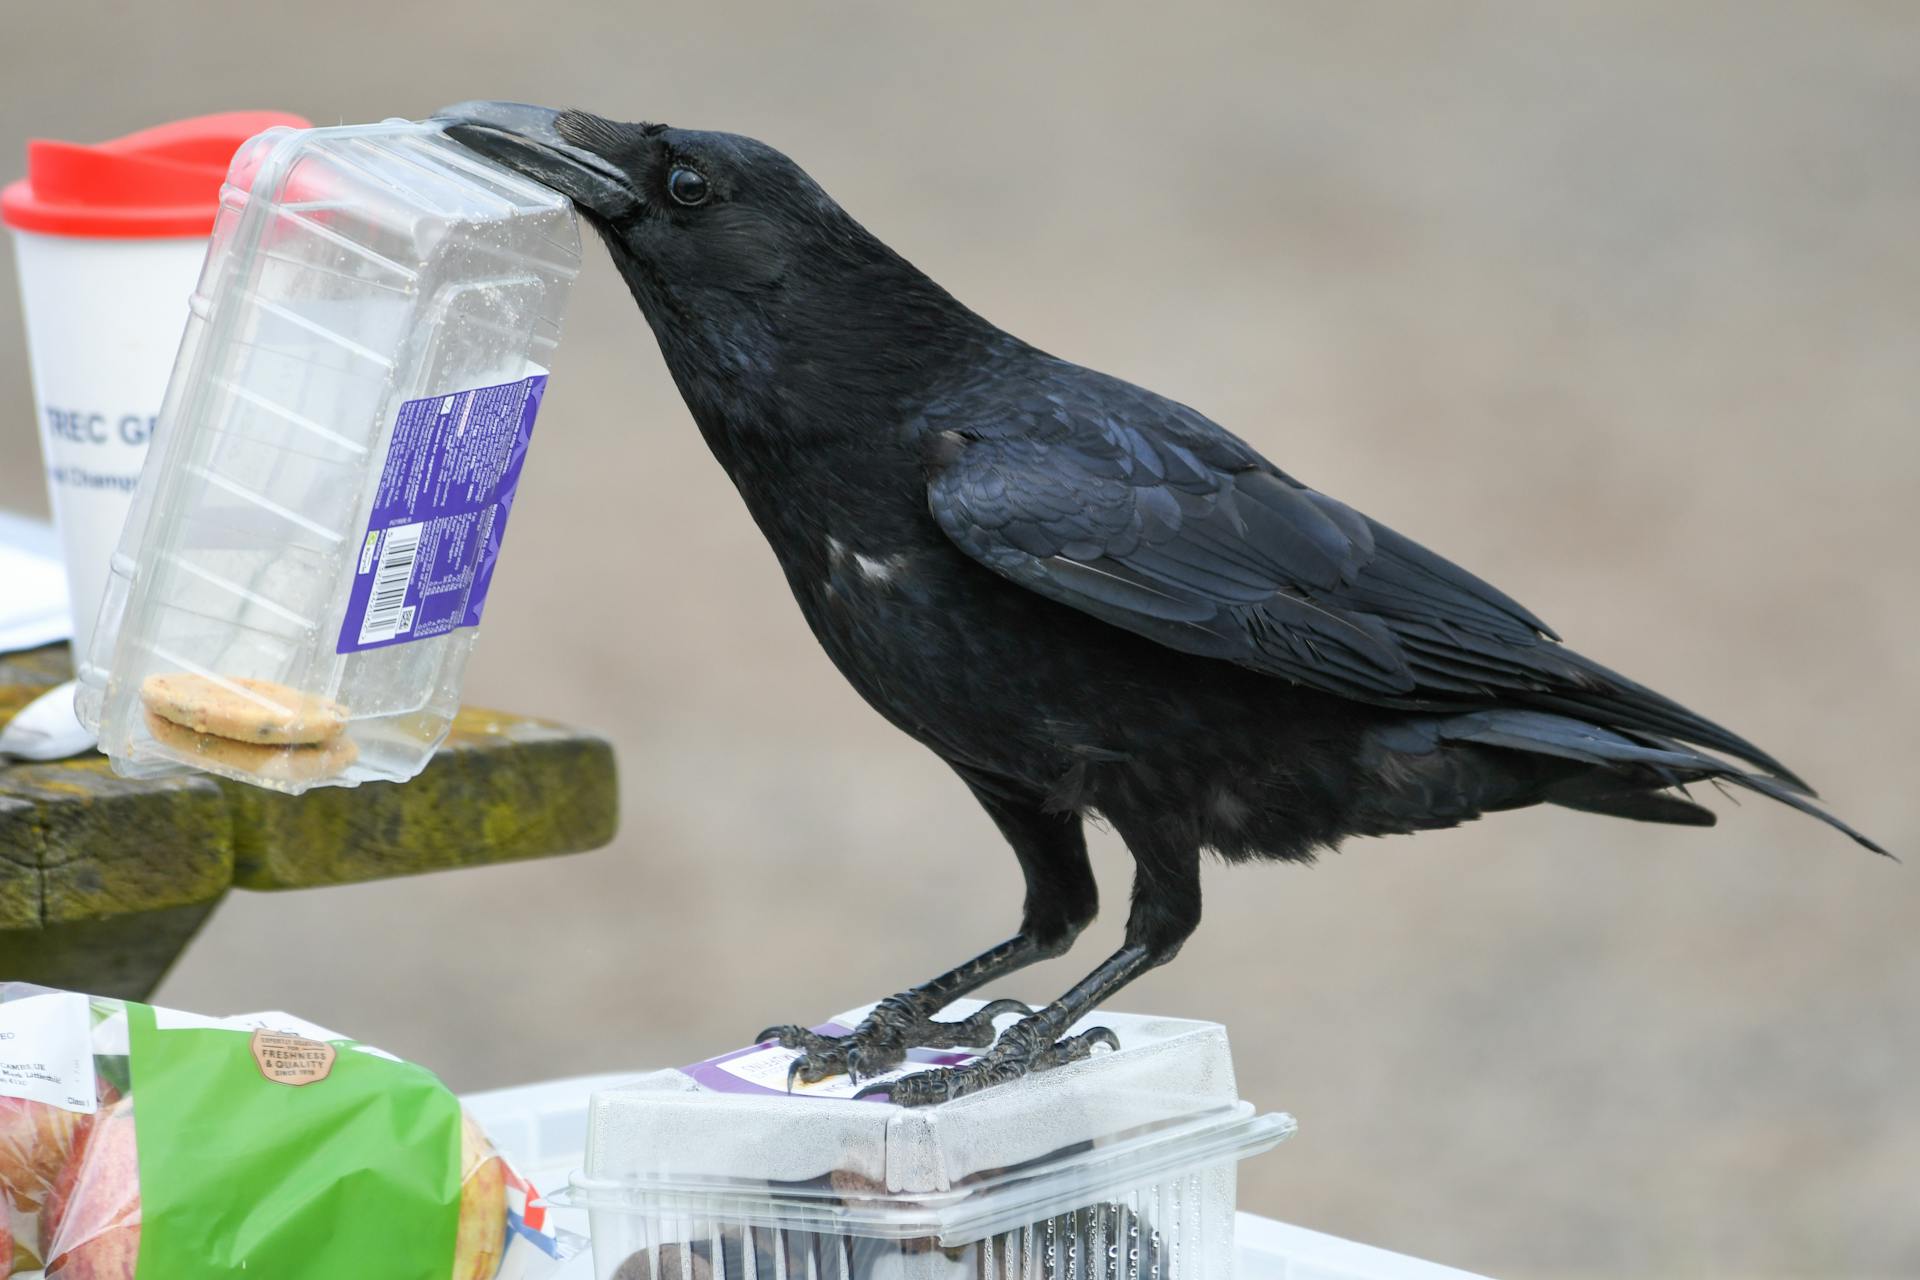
<point x="104" y="319"/>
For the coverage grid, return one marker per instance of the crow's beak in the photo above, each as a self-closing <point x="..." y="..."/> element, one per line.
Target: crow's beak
<point x="525" y="139"/>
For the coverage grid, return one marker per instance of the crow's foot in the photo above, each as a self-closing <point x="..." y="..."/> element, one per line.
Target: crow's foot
<point x="881" y="1041"/>
<point x="1022" y="1048"/>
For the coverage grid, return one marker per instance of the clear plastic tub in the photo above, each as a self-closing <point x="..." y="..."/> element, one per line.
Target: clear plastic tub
<point x="1118" y="1167"/>
<point x="317" y="523"/>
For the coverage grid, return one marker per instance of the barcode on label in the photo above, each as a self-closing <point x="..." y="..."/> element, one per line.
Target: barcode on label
<point x="387" y="613"/>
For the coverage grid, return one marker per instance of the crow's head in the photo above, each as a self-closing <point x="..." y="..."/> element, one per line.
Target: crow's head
<point x="699" y="211"/>
<point x="740" y="261"/>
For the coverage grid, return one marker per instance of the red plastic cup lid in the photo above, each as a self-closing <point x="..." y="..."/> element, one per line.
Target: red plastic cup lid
<point x="163" y="181"/>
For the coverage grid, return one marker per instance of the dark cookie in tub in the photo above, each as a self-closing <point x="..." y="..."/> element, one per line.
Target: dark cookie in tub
<point x="1106" y="1240"/>
<point x="778" y="1254"/>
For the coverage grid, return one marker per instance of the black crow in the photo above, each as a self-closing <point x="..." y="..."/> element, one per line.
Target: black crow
<point x="1084" y="597"/>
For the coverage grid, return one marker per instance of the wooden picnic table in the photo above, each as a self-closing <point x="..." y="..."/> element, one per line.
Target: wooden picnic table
<point x="104" y="880"/>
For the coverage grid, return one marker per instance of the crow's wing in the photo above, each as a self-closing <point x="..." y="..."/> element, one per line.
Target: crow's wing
<point x="1219" y="555"/>
<point x="1149" y="516"/>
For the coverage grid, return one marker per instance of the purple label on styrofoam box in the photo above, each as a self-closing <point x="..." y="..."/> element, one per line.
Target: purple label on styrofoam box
<point x="762" y="1069"/>
<point x="431" y="543"/>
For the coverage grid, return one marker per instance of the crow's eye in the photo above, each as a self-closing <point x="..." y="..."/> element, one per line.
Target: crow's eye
<point x="687" y="186"/>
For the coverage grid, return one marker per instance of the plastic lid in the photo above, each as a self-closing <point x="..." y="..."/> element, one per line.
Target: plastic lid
<point x="163" y="181"/>
<point x="1165" y="1104"/>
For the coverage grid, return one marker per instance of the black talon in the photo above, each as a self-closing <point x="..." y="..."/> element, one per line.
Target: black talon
<point x="974" y="1031"/>
<point x="882" y="1039"/>
<point x="1020" y="1052"/>
<point x="793" y="1036"/>
<point x="1074" y="1048"/>
<point x="854" y="1069"/>
<point x="1000" y="1008"/>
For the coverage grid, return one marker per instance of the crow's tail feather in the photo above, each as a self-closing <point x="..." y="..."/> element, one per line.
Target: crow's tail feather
<point x="1614" y="797"/>
<point x="1633" y="770"/>
<point x="1634" y="708"/>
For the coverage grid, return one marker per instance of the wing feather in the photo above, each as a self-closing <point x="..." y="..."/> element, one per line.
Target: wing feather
<point x="1147" y="515"/>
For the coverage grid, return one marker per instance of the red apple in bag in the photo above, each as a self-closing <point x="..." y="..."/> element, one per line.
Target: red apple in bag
<point x="482" y="1235"/>
<point x="36" y="1140"/>
<point x="91" y="1222"/>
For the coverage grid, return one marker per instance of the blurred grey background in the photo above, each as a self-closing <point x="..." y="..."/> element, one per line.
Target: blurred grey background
<point x="1617" y="303"/>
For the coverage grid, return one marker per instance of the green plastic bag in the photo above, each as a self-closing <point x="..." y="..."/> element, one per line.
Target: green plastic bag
<point x="139" y="1143"/>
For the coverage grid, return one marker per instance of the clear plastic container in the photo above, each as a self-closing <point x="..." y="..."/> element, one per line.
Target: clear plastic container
<point x="378" y="302"/>
<point x="1118" y="1167"/>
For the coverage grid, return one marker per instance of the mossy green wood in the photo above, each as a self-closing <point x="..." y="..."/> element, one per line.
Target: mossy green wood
<point x="103" y="880"/>
<point x="501" y="788"/>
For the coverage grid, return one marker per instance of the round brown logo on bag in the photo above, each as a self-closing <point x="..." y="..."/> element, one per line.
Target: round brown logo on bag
<point x="292" y="1060"/>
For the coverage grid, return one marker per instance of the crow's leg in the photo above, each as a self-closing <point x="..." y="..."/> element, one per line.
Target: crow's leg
<point x="1061" y="900"/>
<point x="1166" y="909"/>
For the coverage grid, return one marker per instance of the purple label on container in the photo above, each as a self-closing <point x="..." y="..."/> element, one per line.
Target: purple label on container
<point x="434" y="536"/>
<point x="762" y="1069"/>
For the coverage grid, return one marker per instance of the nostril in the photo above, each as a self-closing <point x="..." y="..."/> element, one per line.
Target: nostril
<point x="595" y="133"/>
